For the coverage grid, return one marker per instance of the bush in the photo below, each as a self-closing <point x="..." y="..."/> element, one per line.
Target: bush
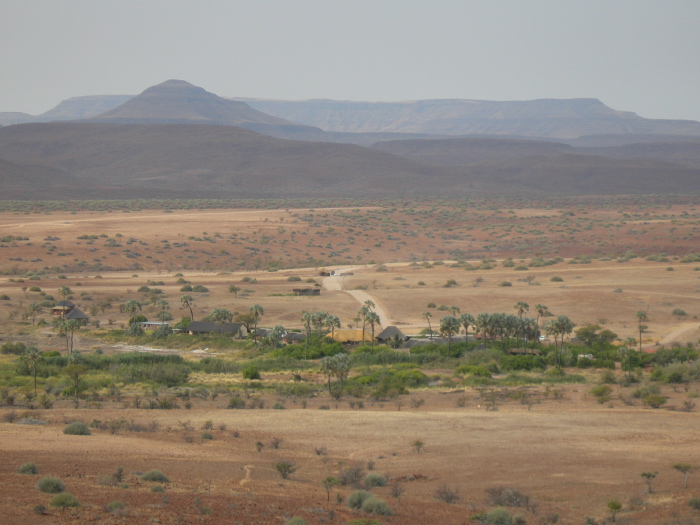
<point x="64" y="500"/>
<point x="374" y="479"/>
<point x="499" y="516"/>
<point x="679" y="311"/>
<point x="694" y="503"/>
<point x="114" y="505"/>
<point x="557" y="279"/>
<point x="374" y="505"/>
<point x="296" y="520"/>
<point x="236" y="402"/>
<point x="50" y="485"/>
<point x="155" y="475"/>
<point x="158" y="488"/>
<point x="447" y="494"/>
<point x="28" y="468"/>
<point x="207" y="435"/>
<point x="250" y="372"/>
<point x="505" y="497"/>
<point x="77" y="428"/>
<point x="655" y="400"/>
<point x="357" y="498"/>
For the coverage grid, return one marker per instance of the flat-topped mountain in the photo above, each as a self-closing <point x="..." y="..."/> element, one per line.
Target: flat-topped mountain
<point x="549" y="118"/>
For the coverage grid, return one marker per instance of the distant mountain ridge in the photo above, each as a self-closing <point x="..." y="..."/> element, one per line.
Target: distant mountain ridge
<point x="546" y="118"/>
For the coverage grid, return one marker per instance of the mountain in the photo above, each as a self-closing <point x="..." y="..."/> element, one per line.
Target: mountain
<point x="179" y="102"/>
<point x="90" y="160"/>
<point x="71" y="109"/>
<point x="549" y="118"/>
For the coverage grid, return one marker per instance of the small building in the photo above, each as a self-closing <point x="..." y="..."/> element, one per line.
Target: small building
<point x="391" y="333"/>
<point x="236" y="330"/>
<point x="62" y="308"/>
<point x="524" y="351"/>
<point x="306" y="291"/>
<point x="350" y="336"/>
<point x="294" y="337"/>
<point x="78" y="315"/>
<point x="152" y="325"/>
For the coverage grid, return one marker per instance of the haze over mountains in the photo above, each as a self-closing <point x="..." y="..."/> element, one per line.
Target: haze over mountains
<point x="178" y="140"/>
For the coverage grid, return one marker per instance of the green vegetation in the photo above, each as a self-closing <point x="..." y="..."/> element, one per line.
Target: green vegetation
<point x="50" y="485"/>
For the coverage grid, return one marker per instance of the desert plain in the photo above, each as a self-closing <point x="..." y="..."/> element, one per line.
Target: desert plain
<point x="604" y="260"/>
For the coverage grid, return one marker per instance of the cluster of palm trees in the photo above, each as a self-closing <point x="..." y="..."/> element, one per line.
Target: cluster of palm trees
<point x="320" y="321"/>
<point x="367" y="315"/>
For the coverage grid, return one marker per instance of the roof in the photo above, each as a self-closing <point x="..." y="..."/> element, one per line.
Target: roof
<point x="350" y="335"/>
<point x="76" y="313"/>
<point x="389" y="333"/>
<point x="63" y="304"/>
<point x="295" y="336"/>
<point x="210" y="326"/>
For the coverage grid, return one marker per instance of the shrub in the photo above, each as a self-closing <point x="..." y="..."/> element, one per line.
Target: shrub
<point x="505" y="497"/>
<point x="28" y="468"/>
<point x="155" y="475"/>
<point x="352" y="475"/>
<point x="357" y="498"/>
<point x="236" y="402"/>
<point x="499" y="516"/>
<point x="694" y="503"/>
<point x="114" y="505"/>
<point x="679" y="311"/>
<point x="505" y="283"/>
<point x="296" y="520"/>
<point x="602" y="393"/>
<point x="655" y="400"/>
<point x="64" y="500"/>
<point x="374" y="505"/>
<point x="250" y="372"/>
<point x="77" y="428"/>
<point x="447" y="494"/>
<point x="207" y="435"/>
<point x="374" y="479"/>
<point x="50" y="485"/>
<point x="286" y="469"/>
<point x="556" y="279"/>
<point x="158" y="488"/>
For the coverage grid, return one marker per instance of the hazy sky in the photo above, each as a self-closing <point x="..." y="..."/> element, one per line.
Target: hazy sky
<point x="634" y="55"/>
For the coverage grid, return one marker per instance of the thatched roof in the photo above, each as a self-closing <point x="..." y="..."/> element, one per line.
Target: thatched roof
<point x="391" y="332"/>
<point x="208" y="327"/>
<point x="76" y="313"/>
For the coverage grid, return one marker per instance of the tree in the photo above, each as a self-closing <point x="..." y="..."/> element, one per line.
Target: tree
<point x="373" y="319"/>
<point x="220" y="316"/>
<point x="307" y="318"/>
<point x="449" y="325"/>
<point x="67" y="328"/>
<point x="521" y="307"/>
<point x="337" y="365"/>
<point x="614" y="506"/>
<point x="362" y="313"/>
<point x="286" y="469"/>
<point x="32" y="356"/>
<point x="64" y="292"/>
<point x="132" y="307"/>
<point x="187" y="301"/>
<point x="234" y="289"/>
<point x="246" y="319"/>
<point x="75" y="374"/>
<point x="428" y="315"/>
<point x="328" y="485"/>
<point x="648" y="478"/>
<point x="642" y="317"/>
<point x="466" y="320"/>
<point x="163" y="306"/>
<point x="332" y="322"/>
<point x="32" y="310"/>
<point x="687" y="470"/>
<point x="559" y="328"/>
<point x="542" y="311"/>
<point x="276" y="335"/>
<point x="257" y="312"/>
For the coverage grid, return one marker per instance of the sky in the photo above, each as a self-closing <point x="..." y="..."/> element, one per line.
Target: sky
<point x="634" y="55"/>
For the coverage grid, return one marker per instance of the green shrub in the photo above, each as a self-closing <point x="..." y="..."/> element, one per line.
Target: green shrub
<point x="296" y="520"/>
<point x="679" y="311"/>
<point x="374" y="505"/>
<point x="694" y="503"/>
<point x="28" y="468"/>
<point x="357" y="498"/>
<point x="655" y="400"/>
<point x="499" y="516"/>
<point x="207" y="435"/>
<point x="236" y="402"/>
<point x="155" y="475"/>
<point x="250" y="372"/>
<point x="64" y="500"/>
<point x="114" y="505"/>
<point x="374" y="479"/>
<point x="50" y="485"/>
<point x="77" y="428"/>
<point x="556" y="279"/>
<point x="158" y="488"/>
<point x="602" y="393"/>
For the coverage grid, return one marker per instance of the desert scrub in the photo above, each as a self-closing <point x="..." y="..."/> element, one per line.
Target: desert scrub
<point x="64" y="500"/>
<point x="374" y="505"/>
<point x="50" y="485"/>
<point x="77" y="428"/>
<point x="155" y="475"/>
<point x="374" y="479"/>
<point x="28" y="468"/>
<point x="357" y="498"/>
<point x="207" y="436"/>
<point x="296" y="520"/>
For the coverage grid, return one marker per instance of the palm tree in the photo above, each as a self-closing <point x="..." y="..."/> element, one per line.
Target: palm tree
<point x="466" y="320"/>
<point x="559" y="328"/>
<point x="641" y="316"/>
<point x="64" y="292"/>
<point x="132" y="307"/>
<point x="372" y="318"/>
<point x="220" y="316"/>
<point x="68" y="327"/>
<point x="428" y="315"/>
<point x="541" y="310"/>
<point x="257" y="312"/>
<point x="32" y="310"/>
<point x="455" y="310"/>
<point x="449" y="325"/>
<point x="362" y="313"/>
<point x="187" y="300"/>
<point x="307" y="318"/>
<point x="32" y="356"/>
<point x="319" y="321"/>
<point x="234" y="289"/>
<point x="163" y="305"/>
<point x="332" y="322"/>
